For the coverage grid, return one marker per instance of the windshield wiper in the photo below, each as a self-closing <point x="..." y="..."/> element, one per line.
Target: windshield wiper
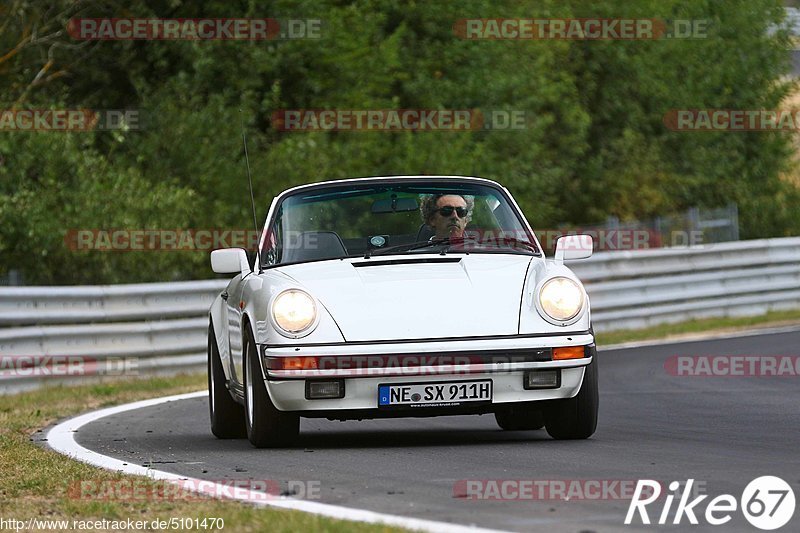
<point x="500" y="241"/>
<point x="513" y="241"/>
<point x="407" y="247"/>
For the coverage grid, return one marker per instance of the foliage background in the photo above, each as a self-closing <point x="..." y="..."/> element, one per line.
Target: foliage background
<point x="597" y="146"/>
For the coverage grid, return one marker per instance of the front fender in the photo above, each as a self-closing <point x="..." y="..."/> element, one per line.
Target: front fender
<point x="530" y="321"/>
<point x="218" y="321"/>
<point x="258" y="294"/>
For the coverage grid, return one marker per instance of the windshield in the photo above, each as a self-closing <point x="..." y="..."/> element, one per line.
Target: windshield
<point x="337" y="221"/>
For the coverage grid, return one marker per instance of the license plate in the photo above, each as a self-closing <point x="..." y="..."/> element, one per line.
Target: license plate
<point x="434" y="394"/>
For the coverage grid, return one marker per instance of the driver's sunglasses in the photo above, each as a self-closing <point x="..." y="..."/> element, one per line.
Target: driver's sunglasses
<point x="448" y="210"/>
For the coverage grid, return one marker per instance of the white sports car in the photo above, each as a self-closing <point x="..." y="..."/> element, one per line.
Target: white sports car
<point x="396" y="297"/>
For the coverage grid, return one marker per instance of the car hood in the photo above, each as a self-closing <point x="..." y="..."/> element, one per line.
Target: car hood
<point x="418" y="296"/>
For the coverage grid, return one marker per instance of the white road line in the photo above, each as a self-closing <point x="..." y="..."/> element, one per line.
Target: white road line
<point x="699" y="337"/>
<point x="61" y="438"/>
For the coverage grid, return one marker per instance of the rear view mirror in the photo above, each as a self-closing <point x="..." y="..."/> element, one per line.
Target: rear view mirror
<point x="230" y="261"/>
<point x="394" y="205"/>
<point x="574" y="247"/>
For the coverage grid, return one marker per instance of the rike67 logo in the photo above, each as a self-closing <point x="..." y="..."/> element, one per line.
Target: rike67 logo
<point x="767" y="503"/>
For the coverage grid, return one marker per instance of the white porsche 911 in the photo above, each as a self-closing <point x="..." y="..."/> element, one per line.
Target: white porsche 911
<point x="400" y="297"/>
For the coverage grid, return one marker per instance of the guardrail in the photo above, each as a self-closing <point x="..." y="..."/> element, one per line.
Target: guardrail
<point x="163" y="325"/>
<point x="635" y="289"/>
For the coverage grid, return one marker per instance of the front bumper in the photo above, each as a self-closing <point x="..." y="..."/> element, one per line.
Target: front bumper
<point x="364" y="366"/>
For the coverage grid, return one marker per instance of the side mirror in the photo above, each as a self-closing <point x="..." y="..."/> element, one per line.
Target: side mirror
<point x="574" y="247"/>
<point x="229" y="261"/>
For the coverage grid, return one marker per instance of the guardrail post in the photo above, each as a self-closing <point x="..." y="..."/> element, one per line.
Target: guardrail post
<point x="693" y="215"/>
<point x="733" y="216"/>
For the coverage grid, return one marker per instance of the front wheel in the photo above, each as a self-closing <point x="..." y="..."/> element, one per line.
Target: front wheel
<point x="266" y="426"/>
<point x="227" y="416"/>
<point x="575" y="418"/>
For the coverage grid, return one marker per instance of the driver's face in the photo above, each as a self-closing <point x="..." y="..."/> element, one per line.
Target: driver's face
<point x="451" y="225"/>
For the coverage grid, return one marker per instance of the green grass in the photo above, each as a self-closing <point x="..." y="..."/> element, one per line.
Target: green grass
<point x="35" y="482"/>
<point x="773" y="318"/>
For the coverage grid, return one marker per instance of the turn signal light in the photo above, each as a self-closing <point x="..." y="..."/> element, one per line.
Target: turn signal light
<point x="292" y="363"/>
<point x="568" y="352"/>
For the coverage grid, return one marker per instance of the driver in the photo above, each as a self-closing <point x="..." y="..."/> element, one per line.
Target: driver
<point x="447" y="214"/>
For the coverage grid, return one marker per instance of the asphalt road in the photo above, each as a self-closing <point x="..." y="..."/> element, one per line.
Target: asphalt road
<point x="721" y="431"/>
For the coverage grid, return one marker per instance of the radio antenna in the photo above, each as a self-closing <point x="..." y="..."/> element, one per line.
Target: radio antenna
<point x="250" y="181"/>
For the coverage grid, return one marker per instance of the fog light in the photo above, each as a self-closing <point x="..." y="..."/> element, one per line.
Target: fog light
<point x="541" y="379"/>
<point x="320" y="390"/>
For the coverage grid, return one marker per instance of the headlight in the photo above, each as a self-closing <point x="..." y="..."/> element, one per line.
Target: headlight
<point x="294" y="311"/>
<point x="561" y="298"/>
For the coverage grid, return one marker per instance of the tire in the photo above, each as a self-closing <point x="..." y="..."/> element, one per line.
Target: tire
<point x="227" y="416"/>
<point x="519" y="417"/>
<point x="575" y="418"/>
<point x="266" y="426"/>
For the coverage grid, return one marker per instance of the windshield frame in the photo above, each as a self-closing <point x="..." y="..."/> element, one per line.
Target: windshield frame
<point x="388" y="181"/>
